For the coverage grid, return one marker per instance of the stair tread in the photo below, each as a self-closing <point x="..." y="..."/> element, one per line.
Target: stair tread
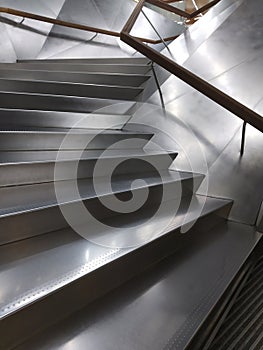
<point x="110" y="74"/>
<point x="80" y="67"/>
<point x="73" y="131"/>
<point x="100" y="79"/>
<point x="46" y="63"/>
<point x="27" y="119"/>
<point x="43" y="264"/>
<point x="72" y="139"/>
<point x="116" y="60"/>
<point x="69" y="104"/>
<point x="166" y="292"/>
<point x="51" y="156"/>
<point x="97" y="115"/>
<point x="24" y="198"/>
<point x="73" y="89"/>
<point x="69" y="84"/>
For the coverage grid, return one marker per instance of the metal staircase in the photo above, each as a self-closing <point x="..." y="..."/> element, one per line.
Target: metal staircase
<point x="48" y="271"/>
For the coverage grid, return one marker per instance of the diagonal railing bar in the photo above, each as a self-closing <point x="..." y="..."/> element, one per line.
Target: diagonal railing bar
<point x="164" y="4"/>
<point x="86" y="28"/>
<point x="216" y="95"/>
<point x="50" y="20"/>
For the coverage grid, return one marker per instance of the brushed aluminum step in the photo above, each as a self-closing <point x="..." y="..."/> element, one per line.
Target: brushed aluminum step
<point x="70" y="89"/>
<point x="38" y="167"/>
<point x="44" y="102"/>
<point x="22" y="119"/>
<point x="38" y="204"/>
<point x="71" y="77"/>
<point x="54" y="272"/>
<point x="71" y="140"/>
<point x="180" y="291"/>
<point x="105" y="60"/>
<point x="75" y="67"/>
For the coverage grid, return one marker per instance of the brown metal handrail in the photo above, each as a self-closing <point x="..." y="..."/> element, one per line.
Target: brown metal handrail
<point x="75" y="25"/>
<point x="164" y="4"/>
<point x="229" y="103"/>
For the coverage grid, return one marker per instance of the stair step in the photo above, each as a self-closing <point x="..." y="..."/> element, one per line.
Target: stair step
<point x="70" y="89"/>
<point x="75" y="67"/>
<point x="19" y="168"/>
<point x="38" y="204"/>
<point x="180" y="291"/>
<point x="52" y="269"/>
<point x="106" y="60"/>
<point x="72" y="77"/>
<point x="44" y="102"/>
<point x="71" y="140"/>
<point x="22" y="119"/>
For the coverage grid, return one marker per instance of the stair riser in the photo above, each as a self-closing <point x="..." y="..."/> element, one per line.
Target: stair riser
<point x="88" y="78"/>
<point x="64" y="89"/>
<point x="51" y="219"/>
<point x="30" y="173"/>
<point x="97" y="68"/>
<point x="111" y="60"/>
<point x="35" y="120"/>
<point x="56" y="142"/>
<point x="62" y="103"/>
<point x="104" y="279"/>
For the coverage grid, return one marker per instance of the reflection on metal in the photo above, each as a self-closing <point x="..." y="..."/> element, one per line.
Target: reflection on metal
<point x="58" y="22"/>
<point x="165" y="305"/>
<point x="214" y="49"/>
<point x="209" y="90"/>
<point x="48" y="276"/>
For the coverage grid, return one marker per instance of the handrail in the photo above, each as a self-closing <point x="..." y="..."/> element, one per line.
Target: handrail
<point x="164" y="4"/>
<point x="229" y="103"/>
<point x="59" y="22"/>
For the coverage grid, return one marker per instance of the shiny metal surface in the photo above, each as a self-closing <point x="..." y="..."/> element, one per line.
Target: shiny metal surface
<point x="97" y="68"/>
<point x="225" y="48"/>
<point x="63" y="40"/>
<point x="106" y="14"/>
<point x="75" y="47"/>
<point x="78" y="269"/>
<point x="170" y="300"/>
<point x="83" y="78"/>
<point x="97" y="60"/>
<point x="18" y="119"/>
<point x="27" y="40"/>
<point x="27" y="168"/>
<point x="7" y="52"/>
<point x="44" y="40"/>
<point x="70" y="89"/>
<point x="47" y="277"/>
<point x="18" y="198"/>
<point x="76" y="140"/>
<point x="20" y="100"/>
<point x="39" y="204"/>
<point x="244" y="176"/>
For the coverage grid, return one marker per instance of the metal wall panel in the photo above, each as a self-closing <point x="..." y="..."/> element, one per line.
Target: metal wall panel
<point x="225" y="47"/>
<point x="28" y="38"/>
